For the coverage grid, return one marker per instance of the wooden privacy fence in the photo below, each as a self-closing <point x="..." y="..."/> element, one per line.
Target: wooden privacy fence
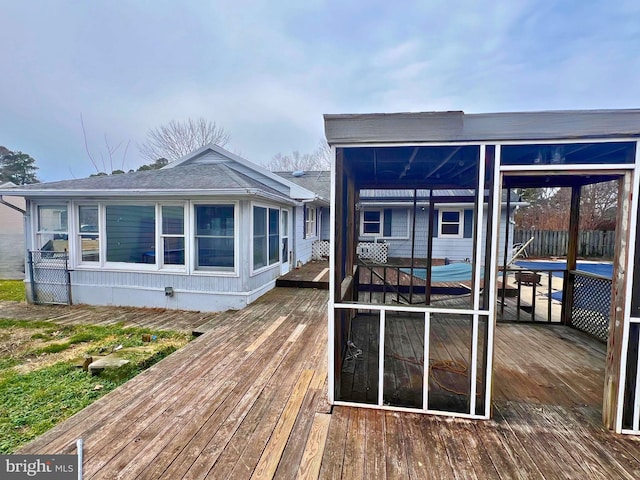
<point x="553" y="243"/>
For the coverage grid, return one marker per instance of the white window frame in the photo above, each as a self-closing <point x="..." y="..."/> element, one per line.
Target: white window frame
<point x="380" y="222"/>
<point x="380" y="234"/>
<point x="79" y="234"/>
<point x="213" y="271"/>
<point x="37" y="232"/>
<point x="103" y="239"/>
<point x="157" y="266"/>
<point x="460" y="223"/>
<point x="279" y="261"/>
<point x="162" y="236"/>
<point x="311" y="222"/>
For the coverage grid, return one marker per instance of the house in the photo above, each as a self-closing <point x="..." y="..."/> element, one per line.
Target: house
<point x="394" y="344"/>
<point x="399" y="218"/>
<point x="211" y="231"/>
<point x="315" y="217"/>
<point x="12" y="252"/>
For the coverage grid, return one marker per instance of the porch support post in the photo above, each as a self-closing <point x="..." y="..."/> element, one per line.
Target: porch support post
<point x="339" y="213"/>
<point x="413" y="244"/>
<point x="572" y="255"/>
<point x="503" y="290"/>
<point x="613" y="367"/>
<point x="432" y="217"/>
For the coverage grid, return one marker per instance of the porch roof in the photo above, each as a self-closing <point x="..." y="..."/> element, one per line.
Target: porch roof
<point x="457" y="126"/>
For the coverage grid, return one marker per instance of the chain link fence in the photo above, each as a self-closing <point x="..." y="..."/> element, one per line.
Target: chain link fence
<point x="50" y="280"/>
<point x="591" y="304"/>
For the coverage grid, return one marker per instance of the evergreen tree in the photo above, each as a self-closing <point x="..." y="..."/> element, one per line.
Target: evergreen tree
<point x="17" y="167"/>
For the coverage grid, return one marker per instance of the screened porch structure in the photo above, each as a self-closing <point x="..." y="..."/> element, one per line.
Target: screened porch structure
<point x="415" y="332"/>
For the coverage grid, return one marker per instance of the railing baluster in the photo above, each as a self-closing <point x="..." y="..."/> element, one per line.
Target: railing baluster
<point x="549" y="298"/>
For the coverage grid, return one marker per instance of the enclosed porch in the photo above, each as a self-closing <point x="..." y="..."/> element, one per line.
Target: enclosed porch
<point x="428" y="334"/>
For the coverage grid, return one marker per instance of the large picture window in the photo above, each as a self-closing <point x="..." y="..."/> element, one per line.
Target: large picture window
<point x="266" y="236"/>
<point x="53" y="230"/>
<point x="131" y="233"/>
<point x="215" y="237"/>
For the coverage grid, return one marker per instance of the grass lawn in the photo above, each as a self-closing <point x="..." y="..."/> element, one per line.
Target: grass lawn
<point x="40" y="382"/>
<point x="12" y="290"/>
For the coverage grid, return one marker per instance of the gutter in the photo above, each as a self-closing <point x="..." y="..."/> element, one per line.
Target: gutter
<point x="11" y="205"/>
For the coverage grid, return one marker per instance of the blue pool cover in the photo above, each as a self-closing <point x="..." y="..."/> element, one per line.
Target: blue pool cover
<point x="454" y="272"/>
<point x="602" y="269"/>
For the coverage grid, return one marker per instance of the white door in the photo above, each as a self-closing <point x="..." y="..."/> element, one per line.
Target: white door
<point x="285" y="246"/>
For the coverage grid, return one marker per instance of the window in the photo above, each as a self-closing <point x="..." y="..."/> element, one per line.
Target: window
<point x="266" y="236"/>
<point x="385" y="223"/>
<point x="310" y="222"/>
<point x="172" y="233"/>
<point x="215" y="237"/>
<point x="285" y="236"/>
<point x="89" y="233"/>
<point x="131" y="233"/>
<point x="52" y="233"/>
<point x="371" y="222"/>
<point x="450" y="224"/>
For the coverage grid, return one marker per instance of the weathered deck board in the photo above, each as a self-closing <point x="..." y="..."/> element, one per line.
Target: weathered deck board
<point x="155" y="318"/>
<point x="215" y="410"/>
<point x="312" y="458"/>
<point x="314" y="274"/>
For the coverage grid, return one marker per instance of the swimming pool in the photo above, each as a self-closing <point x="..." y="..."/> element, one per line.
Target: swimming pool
<point x="602" y="269"/>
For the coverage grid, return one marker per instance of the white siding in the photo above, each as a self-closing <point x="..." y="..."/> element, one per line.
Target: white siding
<point x="302" y="246"/>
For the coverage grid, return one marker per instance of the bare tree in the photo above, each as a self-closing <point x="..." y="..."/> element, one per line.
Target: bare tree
<point x="111" y="151"/>
<point x="548" y="209"/>
<point x="598" y="204"/>
<point x="319" y="159"/>
<point x="176" y="139"/>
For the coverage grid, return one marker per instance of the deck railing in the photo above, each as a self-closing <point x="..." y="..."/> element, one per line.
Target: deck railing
<point x="530" y="281"/>
<point x="531" y="299"/>
<point x="591" y="307"/>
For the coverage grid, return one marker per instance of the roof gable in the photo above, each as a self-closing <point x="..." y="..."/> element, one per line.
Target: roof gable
<point x="208" y="170"/>
<point x="214" y="154"/>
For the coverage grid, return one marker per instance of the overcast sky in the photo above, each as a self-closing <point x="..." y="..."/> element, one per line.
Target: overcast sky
<point x="267" y="70"/>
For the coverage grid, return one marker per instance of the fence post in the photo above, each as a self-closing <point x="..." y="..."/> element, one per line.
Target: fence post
<point x="32" y="280"/>
<point x="68" y="276"/>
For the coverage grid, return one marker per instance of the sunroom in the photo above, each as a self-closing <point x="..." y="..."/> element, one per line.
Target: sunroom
<point x="209" y="232"/>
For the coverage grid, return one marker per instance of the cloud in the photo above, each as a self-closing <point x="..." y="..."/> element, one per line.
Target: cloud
<point x="268" y="71"/>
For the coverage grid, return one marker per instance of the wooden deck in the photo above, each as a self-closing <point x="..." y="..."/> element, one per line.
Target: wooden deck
<point x="155" y="318"/>
<point x="314" y="274"/>
<point x="246" y="400"/>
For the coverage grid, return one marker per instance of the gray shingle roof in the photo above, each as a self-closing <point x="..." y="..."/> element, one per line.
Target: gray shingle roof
<point x="318" y="182"/>
<point x="181" y="178"/>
